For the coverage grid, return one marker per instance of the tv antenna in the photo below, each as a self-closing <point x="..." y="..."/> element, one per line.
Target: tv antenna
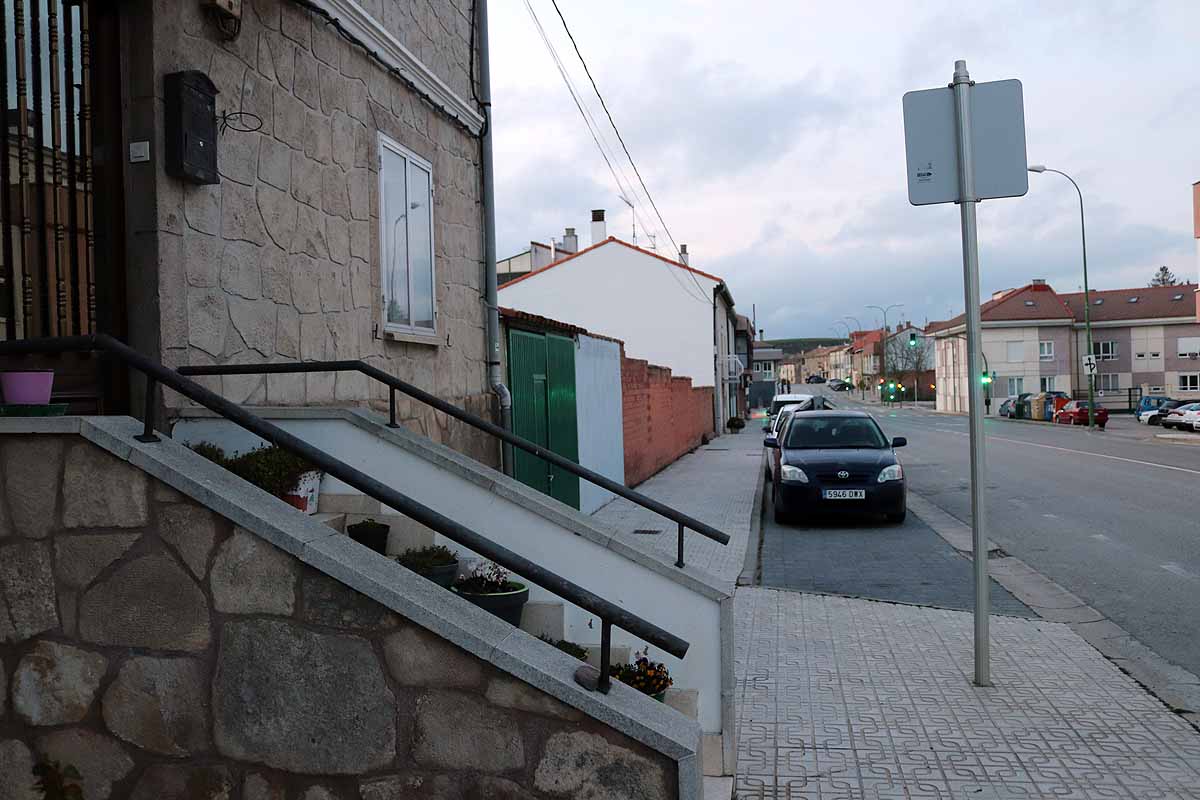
<point x="633" y="215"/>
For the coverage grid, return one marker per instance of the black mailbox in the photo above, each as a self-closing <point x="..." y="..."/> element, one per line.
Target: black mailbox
<point x="190" y="101"/>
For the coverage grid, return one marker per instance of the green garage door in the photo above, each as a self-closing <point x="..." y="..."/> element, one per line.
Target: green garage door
<point x="541" y="375"/>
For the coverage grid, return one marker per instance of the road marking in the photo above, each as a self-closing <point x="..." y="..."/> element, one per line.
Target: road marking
<point x="1050" y="516"/>
<point x="1175" y="569"/>
<point x="1100" y="537"/>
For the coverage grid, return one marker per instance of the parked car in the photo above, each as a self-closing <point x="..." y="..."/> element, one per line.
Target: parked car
<point x="839" y="385"/>
<point x="1153" y="416"/>
<point x="814" y="379"/>
<point x="777" y="424"/>
<point x="836" y="461"/>
<point x="1174" y="417"/>
<point x="1190" y="421"/>
<point x="1006" y="408"/>
<point x="1076" y="413"/>
<point x="777" y="404"/>
<point x="1151" y="402"/>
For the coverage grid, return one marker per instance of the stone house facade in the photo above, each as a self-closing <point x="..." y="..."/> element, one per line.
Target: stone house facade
<point x="284" y="259"/>
<point x="167" y="653"/>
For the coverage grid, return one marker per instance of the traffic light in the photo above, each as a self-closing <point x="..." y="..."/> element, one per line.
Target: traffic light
<point x="985" y="378"/>
<point x="891" y="387"/>
<point x="912" y="339"/>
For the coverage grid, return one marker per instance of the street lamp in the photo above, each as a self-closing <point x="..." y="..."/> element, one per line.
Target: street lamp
<point x="1087" y="300"/>
<point x="883" y="351"/>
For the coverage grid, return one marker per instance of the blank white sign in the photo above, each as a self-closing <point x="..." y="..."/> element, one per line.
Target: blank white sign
<point x="997" y="141"/>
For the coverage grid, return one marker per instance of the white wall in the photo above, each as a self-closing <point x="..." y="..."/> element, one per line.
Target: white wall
<point x="600" y="421"/>
<point x="654" y="307"/>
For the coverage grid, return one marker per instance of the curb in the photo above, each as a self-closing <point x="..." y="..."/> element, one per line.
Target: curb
<point x="1173" y="685"/>
<point x="752" y="565"/>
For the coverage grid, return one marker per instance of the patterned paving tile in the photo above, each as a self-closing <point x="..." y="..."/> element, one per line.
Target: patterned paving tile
<point x="844" y="698"/>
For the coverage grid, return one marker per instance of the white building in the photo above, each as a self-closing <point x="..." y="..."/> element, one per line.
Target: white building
<point x="665" y="311"/>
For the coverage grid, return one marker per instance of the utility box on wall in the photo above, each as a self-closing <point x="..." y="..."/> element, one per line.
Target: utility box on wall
<point x="190" y="101"/>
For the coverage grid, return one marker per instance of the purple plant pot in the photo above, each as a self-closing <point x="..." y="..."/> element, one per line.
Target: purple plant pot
<point x="28" y="387"/>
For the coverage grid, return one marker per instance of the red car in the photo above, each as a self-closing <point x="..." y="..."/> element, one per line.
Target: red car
<point x="1076" y="413"/>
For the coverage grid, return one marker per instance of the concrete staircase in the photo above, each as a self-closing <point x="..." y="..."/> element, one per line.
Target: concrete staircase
<point x="688" y="602"/>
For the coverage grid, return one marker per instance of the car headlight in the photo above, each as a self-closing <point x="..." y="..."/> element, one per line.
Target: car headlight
<point x="792" y="474"/>
<point x="895" y="472"/>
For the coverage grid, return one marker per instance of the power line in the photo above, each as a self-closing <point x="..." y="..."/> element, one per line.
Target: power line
<point x="593" y="129"/>
<point x="621" y="138"/>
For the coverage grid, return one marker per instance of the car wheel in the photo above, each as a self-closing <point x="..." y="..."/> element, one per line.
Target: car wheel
<point x="897" y="518"/>
<point x="781" y="517"/>
<point x="1152" y="421"/>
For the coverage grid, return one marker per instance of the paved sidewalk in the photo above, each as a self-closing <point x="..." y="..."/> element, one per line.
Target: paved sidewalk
<point x="863" y="700"/>
<point x="715" y="484"/>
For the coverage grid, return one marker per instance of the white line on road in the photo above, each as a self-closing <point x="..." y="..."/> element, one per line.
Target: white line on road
<point x="1100" y="537"/>
<point x="993" y="438"/>
<point x="1175" y="569"/>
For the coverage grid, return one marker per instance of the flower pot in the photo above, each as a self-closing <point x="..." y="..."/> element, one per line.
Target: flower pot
<point x="370" y="534"/>
<point x="505" y="605"/>
<point x="27" y="387"/>
<point x="443" y="575"/>
<point x="307" y="492"/>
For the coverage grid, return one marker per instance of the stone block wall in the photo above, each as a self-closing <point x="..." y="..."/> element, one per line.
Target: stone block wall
<point x="281" y="260"/>
<point x="168" y="654"/>
<point x="664" y="417"/>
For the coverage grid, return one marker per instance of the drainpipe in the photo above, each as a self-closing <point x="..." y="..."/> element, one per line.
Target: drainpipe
<point x="491" y="301"/>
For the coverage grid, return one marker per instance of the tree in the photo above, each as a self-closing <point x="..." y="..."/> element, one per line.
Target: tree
<point x="1164" y="277"/>
<point x="907" y="362"/>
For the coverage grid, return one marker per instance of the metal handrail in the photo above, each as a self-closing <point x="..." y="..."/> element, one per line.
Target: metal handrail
<point x="395" y="384"/>
<point x="609" y="613"/>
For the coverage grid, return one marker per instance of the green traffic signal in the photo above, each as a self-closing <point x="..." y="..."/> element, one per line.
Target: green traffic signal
<point x="985" y="378"/>
<point x="912" y="340"/>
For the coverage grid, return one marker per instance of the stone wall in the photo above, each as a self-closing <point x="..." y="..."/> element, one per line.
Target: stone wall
<point x="166" y="653"/>
<point x="663" y="415"/>
<point x="280" y="261"/>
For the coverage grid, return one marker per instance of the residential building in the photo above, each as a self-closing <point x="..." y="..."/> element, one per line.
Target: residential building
<point x="743" y="345"/>
<point x="537" y="256"/>
<point x="815" y="362"/>
<point x="789" y="371"/>
<point x="841" y="362"/>
<point x="1034" y="340"/>
<point x="865" y="351"/>
<point x="666" y="311"/>
<point x="910" y="356"/>
<point x="766" y="375"/>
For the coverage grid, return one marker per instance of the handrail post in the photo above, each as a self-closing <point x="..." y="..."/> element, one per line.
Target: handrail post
<point x="392" y="407"/>
<point x="605" y="656"/>
<point x="148" y="434"/>
<point x="679" y="558"/>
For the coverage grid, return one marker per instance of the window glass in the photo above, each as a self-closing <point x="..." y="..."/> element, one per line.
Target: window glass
<point x="1046" y="351"/>
<point x="394" y="218"/>
<point x="834" y="432"/>
<point x="420" y="261"/>
<point x="1016" y="385"/>
<point x="1189" y="382"/>
<point x="1047" y="383"/>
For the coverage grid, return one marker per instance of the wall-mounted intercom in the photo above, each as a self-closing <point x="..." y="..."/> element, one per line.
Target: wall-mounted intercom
<point x="190" y="101"/>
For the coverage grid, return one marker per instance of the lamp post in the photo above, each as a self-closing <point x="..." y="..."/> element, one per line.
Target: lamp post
<point x="883" y="350"/>
<point x="1087" y="300"/>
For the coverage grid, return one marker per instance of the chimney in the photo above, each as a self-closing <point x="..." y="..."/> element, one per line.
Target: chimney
<point x="553" y="250"/>
<point x="599" y="233"/>
<point x="570" y="241"/>
<point x="683" y="254"/>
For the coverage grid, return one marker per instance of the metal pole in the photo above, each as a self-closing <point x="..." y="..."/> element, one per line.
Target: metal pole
<point x="491" y="301"/>
<point x="970" y="245"/>
<point x="1087" y="304"/>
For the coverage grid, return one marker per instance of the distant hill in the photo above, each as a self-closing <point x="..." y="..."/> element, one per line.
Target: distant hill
<point x="793" y="347"/>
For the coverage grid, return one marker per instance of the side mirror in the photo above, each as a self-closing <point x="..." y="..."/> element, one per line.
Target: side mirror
<point x="899" y="441"/>
<point x="771" y="442"/>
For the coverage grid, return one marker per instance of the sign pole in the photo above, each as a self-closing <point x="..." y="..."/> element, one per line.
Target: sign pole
<point x="962" y="87"/>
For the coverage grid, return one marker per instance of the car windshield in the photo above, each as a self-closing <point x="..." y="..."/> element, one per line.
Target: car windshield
<point x="808" y="433"/>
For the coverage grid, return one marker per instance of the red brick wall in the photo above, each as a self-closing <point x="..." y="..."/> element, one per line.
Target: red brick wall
<point x="664" y="417"/>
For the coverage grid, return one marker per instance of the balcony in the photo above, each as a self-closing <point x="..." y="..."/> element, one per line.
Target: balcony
<point x="731" y="367"/>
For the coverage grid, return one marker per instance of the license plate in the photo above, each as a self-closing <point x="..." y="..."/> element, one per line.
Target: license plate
<point x="844" y="494"/>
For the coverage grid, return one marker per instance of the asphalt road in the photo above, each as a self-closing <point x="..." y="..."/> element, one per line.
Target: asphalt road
<point x="1112" y="516"/>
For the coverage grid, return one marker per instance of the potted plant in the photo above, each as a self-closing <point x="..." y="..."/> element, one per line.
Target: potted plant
<point x="27" y="387"/>
<point x="570" y="648"/>
<point x="273" y="469"/>
<point x="648" y="677"/>
<point x="736" y="424"/>
<point x="489" y="588"/>
<point x="437" y="563"/>
<point x="370" y="533"/>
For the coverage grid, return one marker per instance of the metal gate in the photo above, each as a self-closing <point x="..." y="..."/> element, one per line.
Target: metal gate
<point x="46" y="170"/>
<point x="541" y="371"/>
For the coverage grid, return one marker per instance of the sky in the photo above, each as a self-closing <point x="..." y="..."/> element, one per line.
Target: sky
<point x="770" y="136"/>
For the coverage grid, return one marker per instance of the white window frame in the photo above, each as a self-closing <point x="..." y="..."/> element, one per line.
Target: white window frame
<point x="1155" y="355"/>
<point x="1017" y="383"/>
<point x="1110" y="345"/>
<point x="1189" y="381"/>
<point x="407" y="331"/>
<point x="1140" y="356"/>
<point x="1046" y="351"/>
<point x="1187" y="344"/>
<point x="1047" y="383"/>
<point x="1109" y="382"/>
